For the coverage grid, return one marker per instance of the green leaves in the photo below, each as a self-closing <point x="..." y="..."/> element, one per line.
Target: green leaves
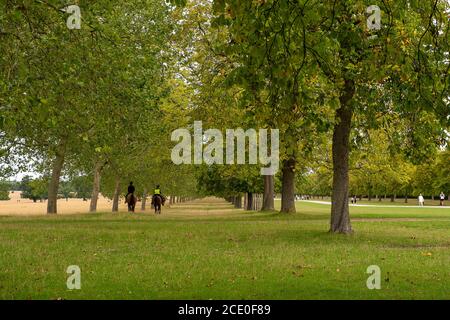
<point x="180" y="3"/>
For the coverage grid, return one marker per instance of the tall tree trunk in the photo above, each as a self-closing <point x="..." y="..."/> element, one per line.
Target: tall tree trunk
<point x="245" y="201"/>
<point x="53" y="186"/>
<point x="249" y="201"/>
<point x="340" y="217"/>
<point x="115" y="206"/>
<point x="239" y="202"/>
<point x="95" y="187"/>
<point x="144" y="199"/>
<point x="288" y="186"/>
<point x="268" y="201"/>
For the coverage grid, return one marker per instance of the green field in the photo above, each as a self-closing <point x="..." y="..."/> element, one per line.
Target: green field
<point x="204" y="251"/>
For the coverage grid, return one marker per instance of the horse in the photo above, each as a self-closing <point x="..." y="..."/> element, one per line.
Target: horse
<point x="157" y="201"/>
<point x="131" y="201"/>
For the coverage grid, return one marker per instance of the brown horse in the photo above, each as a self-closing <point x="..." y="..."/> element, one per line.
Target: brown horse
<point x="131" y="201"/>
<point x="157" y="201"/>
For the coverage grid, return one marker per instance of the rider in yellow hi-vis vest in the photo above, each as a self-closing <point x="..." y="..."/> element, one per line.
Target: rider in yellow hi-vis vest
<point x="156" y="192"/>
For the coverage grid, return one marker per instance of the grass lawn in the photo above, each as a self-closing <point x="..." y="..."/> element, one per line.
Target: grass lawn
<point x="222" y="253"/>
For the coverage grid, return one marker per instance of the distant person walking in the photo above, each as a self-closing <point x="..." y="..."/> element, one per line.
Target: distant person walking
<point x="441" y="198"/>
<point x="421" y="200"/>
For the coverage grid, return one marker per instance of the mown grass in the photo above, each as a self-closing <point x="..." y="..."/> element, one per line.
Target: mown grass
<point x="233" y="255"/>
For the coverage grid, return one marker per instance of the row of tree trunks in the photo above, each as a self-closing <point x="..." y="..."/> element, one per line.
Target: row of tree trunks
<point x="264" y="202"/>
<point x="257" y="201"/>
<point x="179" y="199"/>
<point x="236" y="201"/>
<point x="55" y="179"/>
<point x="253" y="201"/>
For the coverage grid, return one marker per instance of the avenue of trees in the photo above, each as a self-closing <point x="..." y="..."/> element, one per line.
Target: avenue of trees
<point x="336" y="88"/>
<point x="360" y="109"/>
<point x="94" y="101"/>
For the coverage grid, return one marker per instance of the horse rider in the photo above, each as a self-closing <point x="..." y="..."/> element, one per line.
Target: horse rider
<point x="131" y="190"/>
<point x="157" y="192"/>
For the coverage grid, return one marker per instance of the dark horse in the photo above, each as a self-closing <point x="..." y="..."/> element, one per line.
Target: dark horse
<point x="157" y="201"/>
<point x="131" y="201"/>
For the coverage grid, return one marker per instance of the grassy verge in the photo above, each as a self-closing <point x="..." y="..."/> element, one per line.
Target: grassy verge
<point x="234" y="255"/>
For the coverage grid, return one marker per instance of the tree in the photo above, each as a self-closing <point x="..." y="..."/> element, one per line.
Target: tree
<point x="356" y="67"/>
<point x="34" y="189"/>
<point x="79" y="84"/>
<point x="4" y="190"/>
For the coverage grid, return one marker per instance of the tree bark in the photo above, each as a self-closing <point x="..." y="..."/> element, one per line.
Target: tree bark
<point x="54" y="181"/>
<point x="144" y="200"/>
<point x="340" y="217"/>
<point x="95" y="187"/>
<point x="239" y="202"/>
<point x="245" y="201"/>
<point x="268" y="201"/>
<point x="249" y="201"/>
<point x="115" y="206"/>
<point x="288" y="186"/>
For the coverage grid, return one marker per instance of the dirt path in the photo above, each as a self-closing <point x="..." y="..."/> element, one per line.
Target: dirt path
<point x="202" y="207"/>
